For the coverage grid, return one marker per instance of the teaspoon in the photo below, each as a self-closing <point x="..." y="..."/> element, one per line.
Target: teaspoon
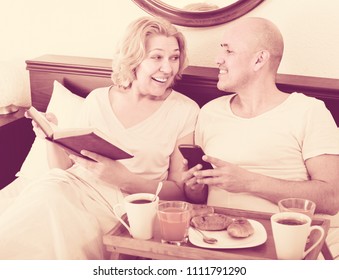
<point x="157" y="191"/>
<point x="206" y="239"/>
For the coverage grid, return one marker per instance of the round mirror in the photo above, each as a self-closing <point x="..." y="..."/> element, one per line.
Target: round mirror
<point x="198" y="14"/>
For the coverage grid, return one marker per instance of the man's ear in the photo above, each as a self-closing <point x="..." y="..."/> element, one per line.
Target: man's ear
<point x="261" y="58"/>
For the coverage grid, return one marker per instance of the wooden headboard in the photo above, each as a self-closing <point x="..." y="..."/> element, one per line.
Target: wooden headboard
<point x="81" y="75"/>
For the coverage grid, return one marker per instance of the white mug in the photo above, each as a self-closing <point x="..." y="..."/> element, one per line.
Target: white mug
<point x="141" y="212"/>
<point x="290" y="232"/>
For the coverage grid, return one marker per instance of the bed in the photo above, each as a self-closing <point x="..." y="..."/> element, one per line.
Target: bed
<point x="60" y="83"/>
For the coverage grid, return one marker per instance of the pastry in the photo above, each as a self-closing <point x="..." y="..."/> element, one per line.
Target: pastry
<point x="201" y="209"/>
<point x="211" y="221"/>
<point x="240" y="227"/>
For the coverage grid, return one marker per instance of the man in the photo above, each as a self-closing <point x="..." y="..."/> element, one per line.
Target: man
<point x="265" y="144"/>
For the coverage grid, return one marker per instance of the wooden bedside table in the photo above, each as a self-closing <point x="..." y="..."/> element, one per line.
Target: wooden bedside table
<point x="16" y="138"/>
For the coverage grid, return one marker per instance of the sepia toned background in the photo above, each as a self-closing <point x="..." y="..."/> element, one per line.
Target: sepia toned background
<point x="92" y="28"/>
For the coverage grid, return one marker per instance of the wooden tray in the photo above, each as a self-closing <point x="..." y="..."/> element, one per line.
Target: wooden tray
<point x="118" y="241"/>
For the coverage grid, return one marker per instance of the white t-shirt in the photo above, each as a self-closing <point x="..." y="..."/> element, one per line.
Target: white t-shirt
<point x="151" y="141"/>
<point x="275" y="143"/>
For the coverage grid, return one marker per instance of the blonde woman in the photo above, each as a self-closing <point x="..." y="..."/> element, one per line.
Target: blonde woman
<point x="65" y="214"/>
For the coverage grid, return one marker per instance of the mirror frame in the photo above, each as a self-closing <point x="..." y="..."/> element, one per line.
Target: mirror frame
<point x="197" y="19"/>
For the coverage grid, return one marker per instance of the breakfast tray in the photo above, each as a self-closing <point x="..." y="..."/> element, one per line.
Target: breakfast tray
<point x="120" y="243"/>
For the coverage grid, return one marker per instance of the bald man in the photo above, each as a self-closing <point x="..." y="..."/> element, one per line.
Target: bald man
<point x="265" y="144"/>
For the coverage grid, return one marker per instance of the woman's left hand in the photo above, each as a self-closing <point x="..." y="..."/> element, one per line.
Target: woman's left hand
<point x="187" y="174"/>
<point x="108" y="170"/>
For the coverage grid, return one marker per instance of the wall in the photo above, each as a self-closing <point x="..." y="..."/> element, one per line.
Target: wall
<point x="92" y="28"/>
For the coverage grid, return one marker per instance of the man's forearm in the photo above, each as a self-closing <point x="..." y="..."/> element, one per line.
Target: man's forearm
<point x="323" y="194"/>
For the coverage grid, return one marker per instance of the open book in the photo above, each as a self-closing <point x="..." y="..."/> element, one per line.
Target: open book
<point x="76" y="139"/>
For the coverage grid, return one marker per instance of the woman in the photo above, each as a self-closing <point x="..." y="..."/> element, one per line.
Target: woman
<point x="64" y="214"/>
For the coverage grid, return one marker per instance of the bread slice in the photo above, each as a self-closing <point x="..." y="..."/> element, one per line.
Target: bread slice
<point x="211" y="222"/>
<point x="201" y="209"/>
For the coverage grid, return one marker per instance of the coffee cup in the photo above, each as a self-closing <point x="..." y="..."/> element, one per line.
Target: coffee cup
<point x="290" y="232"/>
<point x="141" y="209"/>
<point x="300" y="205"/>
<point x="174" y="218"/>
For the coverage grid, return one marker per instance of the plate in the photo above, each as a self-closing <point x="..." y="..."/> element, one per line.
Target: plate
<point x="227" y="242"/>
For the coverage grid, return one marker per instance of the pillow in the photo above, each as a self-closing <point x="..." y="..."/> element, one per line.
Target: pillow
<point x="65" y="105"/>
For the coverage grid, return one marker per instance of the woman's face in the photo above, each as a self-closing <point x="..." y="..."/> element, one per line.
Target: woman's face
<point x="156" y="72"/>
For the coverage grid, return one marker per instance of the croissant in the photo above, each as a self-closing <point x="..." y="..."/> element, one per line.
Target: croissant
<point x="211" y="221"/>
<point x="240" y="227"/>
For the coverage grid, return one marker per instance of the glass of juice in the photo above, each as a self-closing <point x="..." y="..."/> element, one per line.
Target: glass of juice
<point x="299" y="205"/>
<point x="174" y="219"/>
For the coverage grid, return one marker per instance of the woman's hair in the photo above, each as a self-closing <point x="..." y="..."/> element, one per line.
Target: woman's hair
<point x="132" y="49"/>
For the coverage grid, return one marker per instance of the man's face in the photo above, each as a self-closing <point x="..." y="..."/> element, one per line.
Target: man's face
<point x="235" y="60"/>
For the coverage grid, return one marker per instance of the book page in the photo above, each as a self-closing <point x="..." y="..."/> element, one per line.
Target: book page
<point x="73" y="140"/>
<point x="69" y="132"/>
<point x="41" y="120"/>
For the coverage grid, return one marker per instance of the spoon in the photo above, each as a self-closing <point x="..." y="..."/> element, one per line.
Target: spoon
<point x="157" y="191"/>
<point x="206" y="239"/>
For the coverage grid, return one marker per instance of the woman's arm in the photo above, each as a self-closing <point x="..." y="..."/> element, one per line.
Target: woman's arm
<point x="129" y="182"/>
<point x="56" y="156"/>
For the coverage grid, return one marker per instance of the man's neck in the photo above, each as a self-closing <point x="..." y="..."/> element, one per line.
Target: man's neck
<point x="251" y="103"/>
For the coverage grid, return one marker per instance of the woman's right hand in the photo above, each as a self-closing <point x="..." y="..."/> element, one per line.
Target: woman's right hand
<point x="194" y="192"/>
<point x="36" y="128"/>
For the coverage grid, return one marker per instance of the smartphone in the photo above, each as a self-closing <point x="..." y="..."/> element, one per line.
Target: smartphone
<point x="194" y="154"/>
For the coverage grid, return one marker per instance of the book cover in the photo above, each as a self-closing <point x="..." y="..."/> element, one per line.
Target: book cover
<point x="77" y="139"/>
